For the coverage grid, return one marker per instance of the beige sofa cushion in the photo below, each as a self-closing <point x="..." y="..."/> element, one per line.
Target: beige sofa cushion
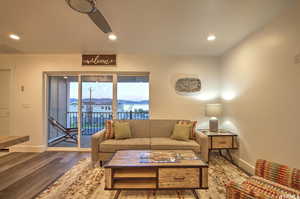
<point x="168" y="143"/>
<point x="162" y="128"/>
<point x="139" y="128"/>
<point x="113" y="145"/>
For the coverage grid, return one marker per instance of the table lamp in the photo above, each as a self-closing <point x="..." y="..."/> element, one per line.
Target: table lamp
<point x="213" y="111"/>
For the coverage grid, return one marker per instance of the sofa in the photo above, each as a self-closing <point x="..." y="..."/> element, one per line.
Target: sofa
<point x="147" y="134"/>
<point x="271" y="181"/>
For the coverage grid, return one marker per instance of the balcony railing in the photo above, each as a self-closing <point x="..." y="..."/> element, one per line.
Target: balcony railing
<point x="133" y="115"/>
<point x="92" y="122"/>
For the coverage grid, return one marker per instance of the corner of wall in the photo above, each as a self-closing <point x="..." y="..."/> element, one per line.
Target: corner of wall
<point x="244" y="165"/>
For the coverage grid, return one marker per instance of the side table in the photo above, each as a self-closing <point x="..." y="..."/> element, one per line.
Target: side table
<point x="222" y="141"/>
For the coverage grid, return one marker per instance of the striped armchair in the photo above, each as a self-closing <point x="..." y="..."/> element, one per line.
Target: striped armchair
<point x="271" y="181"/>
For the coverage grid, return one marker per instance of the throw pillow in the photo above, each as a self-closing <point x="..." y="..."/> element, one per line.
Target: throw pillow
<point x="122" y="130"/>
<point x="181" y="132"/>
<point x="109" y="130"/>
<point x="193" y="127"/>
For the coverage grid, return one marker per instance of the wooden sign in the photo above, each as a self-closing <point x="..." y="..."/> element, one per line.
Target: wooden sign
<point x="103" y="60"/>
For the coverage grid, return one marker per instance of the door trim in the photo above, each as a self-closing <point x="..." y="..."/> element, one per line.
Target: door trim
<point x="11" y="107"/>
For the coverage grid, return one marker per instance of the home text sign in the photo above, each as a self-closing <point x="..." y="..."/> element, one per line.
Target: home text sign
<point x="103" y="60"/>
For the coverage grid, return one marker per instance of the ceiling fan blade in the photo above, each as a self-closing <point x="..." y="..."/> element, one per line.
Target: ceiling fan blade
<point x="100" y="21"/>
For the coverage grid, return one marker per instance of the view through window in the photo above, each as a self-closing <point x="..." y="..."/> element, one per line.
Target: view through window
<point x="133" y="97"/>
<point x="97" y="105"/>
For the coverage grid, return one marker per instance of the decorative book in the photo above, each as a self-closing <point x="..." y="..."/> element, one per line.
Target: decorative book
<point x="165" y="157"/>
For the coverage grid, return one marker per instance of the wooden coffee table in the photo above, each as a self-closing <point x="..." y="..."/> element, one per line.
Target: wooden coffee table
<point x="126" y="172"/>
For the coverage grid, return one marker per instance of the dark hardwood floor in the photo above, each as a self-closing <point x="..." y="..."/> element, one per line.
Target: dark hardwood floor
<point x="25" y="175"/>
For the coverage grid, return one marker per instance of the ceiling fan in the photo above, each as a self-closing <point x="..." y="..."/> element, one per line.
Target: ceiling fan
<point x="89" y="7"/>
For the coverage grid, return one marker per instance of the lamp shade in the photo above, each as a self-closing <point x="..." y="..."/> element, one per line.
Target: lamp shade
<point x="213" y="110"/>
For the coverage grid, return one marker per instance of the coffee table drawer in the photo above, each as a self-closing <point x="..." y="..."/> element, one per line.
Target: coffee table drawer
<point x="178" y="178"/>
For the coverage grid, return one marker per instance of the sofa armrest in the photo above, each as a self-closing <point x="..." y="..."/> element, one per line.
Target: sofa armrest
<point x="202" y="140"/>
<point x="96" y="139"/>
<point x="235" y="191"/>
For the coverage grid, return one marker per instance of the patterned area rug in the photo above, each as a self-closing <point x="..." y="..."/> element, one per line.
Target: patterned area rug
<point x="85" y="182"/>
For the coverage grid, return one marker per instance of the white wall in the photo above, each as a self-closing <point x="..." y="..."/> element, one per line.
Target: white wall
<point x="264" y="82"/>
<point x="165" y="103"/>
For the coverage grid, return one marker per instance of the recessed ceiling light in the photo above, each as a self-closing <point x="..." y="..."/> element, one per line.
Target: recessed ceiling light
<point x="14" y="36"/>
<point x="112" y="37"/>
<point x="211" y="38"/>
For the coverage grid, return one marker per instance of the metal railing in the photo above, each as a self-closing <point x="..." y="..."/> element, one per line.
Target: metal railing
<point x="131" y="115"/>
<point x="92" y="122"/>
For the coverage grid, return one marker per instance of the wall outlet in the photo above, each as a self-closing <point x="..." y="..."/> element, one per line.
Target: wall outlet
<point x="26" y="105"/>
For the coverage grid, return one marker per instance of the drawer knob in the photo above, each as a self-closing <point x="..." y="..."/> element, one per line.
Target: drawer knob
<point x="179" y="178"/>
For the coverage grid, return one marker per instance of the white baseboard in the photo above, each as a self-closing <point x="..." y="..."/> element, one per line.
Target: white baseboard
<point x="244" y="165"/>
<point x="28" y="148"/>
<point x="247" y="166"/>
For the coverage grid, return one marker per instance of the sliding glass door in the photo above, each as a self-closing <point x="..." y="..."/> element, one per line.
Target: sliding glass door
<point x="62" y="111"/>
<point x="78" y="106"/>
<point x="96" y="105"/>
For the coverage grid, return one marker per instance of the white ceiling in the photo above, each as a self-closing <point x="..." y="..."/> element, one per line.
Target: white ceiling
<point x="142" y="26"/>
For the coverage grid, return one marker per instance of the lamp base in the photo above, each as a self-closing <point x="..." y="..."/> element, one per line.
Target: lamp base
<point x="213" y="125"/>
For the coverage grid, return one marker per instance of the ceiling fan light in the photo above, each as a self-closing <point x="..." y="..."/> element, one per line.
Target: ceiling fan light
<point x="83" y="6"/>
<point x="89" y="7"/>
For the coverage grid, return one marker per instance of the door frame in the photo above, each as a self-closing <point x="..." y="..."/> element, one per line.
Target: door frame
<point x="11" y="107"/>
<point x="46" y="97"/>
<point x="79" y="74"/>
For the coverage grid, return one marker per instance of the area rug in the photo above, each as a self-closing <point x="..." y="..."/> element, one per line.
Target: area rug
<point x="85" y="182"/>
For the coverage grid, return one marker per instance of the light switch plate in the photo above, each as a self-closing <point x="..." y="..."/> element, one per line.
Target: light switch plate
<point x="297" y="59"/>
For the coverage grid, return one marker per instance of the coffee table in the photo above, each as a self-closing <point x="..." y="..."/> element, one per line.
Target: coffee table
<point x="126" y="171"/>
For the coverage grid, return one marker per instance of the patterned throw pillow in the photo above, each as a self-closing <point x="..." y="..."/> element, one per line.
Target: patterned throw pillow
<point x="193" y="129"/>
<point x="109" y="130"/>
